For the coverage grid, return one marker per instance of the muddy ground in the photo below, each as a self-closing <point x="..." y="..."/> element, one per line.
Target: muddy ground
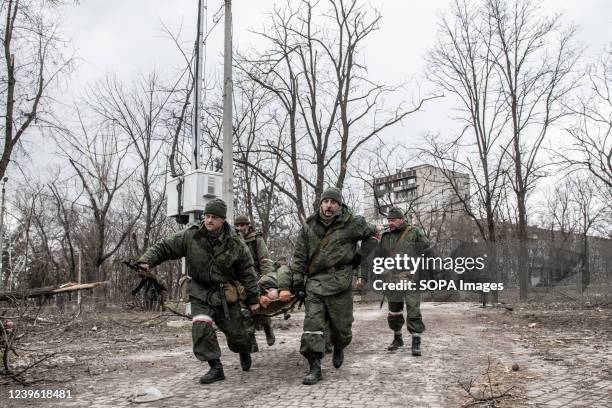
<point x="537" y="354"/>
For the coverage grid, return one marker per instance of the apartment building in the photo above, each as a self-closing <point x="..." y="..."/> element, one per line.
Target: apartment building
<point x="425" y="192"/>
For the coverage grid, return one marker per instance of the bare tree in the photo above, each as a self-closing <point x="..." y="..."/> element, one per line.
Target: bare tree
<point x="97" y="155"/>
<point x="536" y="76"/>
<point x="314" y="69"/>
<point x="67" y="215"/>
<point x="462" y="64"/>
<point x="139" y="112"/>
<point x="591" y="147"/>
<point x="589" y="211"/>
<point x="34" y="61"/>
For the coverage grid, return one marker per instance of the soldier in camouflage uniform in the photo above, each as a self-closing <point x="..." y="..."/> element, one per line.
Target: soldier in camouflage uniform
<point x="263" y="267"/>
<point x="216" y="257"/>
<point x="402" y="238"/>
<point x="325" y="254"/>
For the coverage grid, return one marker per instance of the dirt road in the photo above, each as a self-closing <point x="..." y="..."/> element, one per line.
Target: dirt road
<point x="103" y="367"/>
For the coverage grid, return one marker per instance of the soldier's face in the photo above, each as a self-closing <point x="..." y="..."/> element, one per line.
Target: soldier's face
<point x="395" y="223"/>
<point x="242" y="228"/>
<point x="213" y="222"/>
<point x="329" y="206"/>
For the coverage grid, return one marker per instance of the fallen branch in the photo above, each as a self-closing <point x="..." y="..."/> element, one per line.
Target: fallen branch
<point x="48" y="291"/>
<point x="489" y="386"/>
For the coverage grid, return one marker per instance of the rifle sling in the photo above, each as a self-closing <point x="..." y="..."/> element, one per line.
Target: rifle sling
<point x="401" y="238"/>
<point x="318" y="249"/>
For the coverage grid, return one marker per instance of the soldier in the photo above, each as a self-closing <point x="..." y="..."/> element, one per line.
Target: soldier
<point x="403" y="238"/>
<point x="269" y="282"/>
<point x="263" y="266"/>
<point x="216" y="257"/>
<point x="325" y="254"/>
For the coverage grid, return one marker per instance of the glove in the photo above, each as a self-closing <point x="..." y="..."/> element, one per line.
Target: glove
<point x="255" y="307"/>
<point x="264" y="301"/>
<point x="299" y="290"/>
<point x="285" y="296"/>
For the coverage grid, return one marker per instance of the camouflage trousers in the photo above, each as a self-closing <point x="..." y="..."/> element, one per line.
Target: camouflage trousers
<point x="414" y="320"/>
<point x="255" y="322"/>
<point x="205" y="344"/>
<point x="333" y="313"/>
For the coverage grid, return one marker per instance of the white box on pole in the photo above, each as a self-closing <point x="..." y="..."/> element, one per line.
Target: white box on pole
<point x="192" y="191"/>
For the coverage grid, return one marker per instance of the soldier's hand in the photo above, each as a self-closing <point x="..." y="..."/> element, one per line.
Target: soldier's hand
<point x="285" y="296"/>
<point x="272" y="294"/>
<point x="264" y="301"/>
<point x="360" y="283"/>
<point x="144" y="266"/>
<point x="254" y="308"/>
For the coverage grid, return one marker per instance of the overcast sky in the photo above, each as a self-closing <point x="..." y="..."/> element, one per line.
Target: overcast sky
<point x="125" y="37"/>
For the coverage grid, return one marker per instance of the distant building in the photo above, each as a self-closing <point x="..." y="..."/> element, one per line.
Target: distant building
<point x="424" y="192"/>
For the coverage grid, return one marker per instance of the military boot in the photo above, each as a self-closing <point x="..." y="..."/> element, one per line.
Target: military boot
<point x="214" y="374"/>
<point x="254" y="346"/>
<point x="314" y="375"/>
<point x="416" y="345"/>
<point x="397" y="342"/>
<point x="245" y="361"/>
<point x="338" y="357"/>
<point x="270" y="338"/>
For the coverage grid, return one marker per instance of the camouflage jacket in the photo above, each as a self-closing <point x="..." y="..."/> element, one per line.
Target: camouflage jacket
<point x="259" y="252"/>
<point x="413" y="243"/>
<point x="209" y="262"/>
<point x="284" y="275"/>
<point x="331" y="271"/>
<point x="270" y="280"/>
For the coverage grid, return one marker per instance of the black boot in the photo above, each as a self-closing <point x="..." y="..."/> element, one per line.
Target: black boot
<point x="397" y="342"/>
<point x="314" y="375"/>
<point x="338" y="357"/>
<point x="416" y="345"/>
<point x="254" y="346"/>
<point x="214" y="374"/>
<point x="245" y="361"/>
<point x="269" y="334"/>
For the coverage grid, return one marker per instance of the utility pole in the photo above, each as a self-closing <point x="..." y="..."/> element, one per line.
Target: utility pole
<point x="2" y="231"/>
<point x="228" y="165"/>
<point x="197" y="98"/>
<point x="79" y="277"/>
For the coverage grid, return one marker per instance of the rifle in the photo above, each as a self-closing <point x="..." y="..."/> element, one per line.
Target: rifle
<point x="224" y="303"/>
<point x="147" y="277"/>
<point x="382" y="301"/>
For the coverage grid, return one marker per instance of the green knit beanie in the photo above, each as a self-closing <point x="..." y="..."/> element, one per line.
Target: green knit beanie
<point x="395" y="212"/>
<point x="332" y="193"/>
<point x="241" y="219"/>
<point x="216" y="207"/>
